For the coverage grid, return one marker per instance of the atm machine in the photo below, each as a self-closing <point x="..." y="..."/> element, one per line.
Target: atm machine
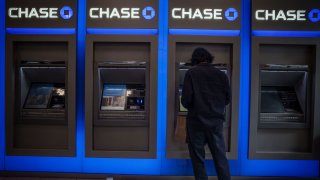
<point x="40" y="93"/>
<point x="226" y="54"/>
<point x="121" y="96"/>
<point x="284" y="120"/>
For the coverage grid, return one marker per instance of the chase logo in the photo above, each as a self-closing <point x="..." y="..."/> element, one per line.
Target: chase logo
<point x="148" y="13"/>
<point x="231" y="14"/>
<point x="217" y="14"/>
<point x="314" y="15"/>
<point x="292" y="15"/>
<point x="66" y="12"/>
<point x="40" y="13"/>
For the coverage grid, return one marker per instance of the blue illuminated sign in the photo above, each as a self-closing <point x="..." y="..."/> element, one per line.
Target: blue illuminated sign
<point x="66" y="12"/>
<point x="231" y="14"/>
<point x="148" y="13"/>
<point x="283" y="16"/>
<point x="204" y="14"/>
<point x="41" y="14"/>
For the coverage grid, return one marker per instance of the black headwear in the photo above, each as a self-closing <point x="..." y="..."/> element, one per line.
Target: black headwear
<point x="200" y="55"/>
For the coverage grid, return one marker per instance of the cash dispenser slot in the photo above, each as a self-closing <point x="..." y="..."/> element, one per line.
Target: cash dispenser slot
<point x="283" y="96"/>
<point x="42" y="93"/>
<point x="122" y="94"/>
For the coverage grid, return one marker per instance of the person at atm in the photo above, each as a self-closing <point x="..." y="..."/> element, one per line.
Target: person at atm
<point x="205" y="93"/>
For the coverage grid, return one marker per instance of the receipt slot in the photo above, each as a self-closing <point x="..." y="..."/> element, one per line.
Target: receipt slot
<point x="121" y="92"/>
<point x="284" y="121"/>
<point x="40" y="91"/>
<point x="226" y="52"/>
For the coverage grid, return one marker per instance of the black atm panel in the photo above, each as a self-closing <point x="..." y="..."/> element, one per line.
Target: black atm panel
<point x="121" y="92"/>
<point x="284" y="98"/>
<point x="40" y="95"/>
<point x="226" y="52"/>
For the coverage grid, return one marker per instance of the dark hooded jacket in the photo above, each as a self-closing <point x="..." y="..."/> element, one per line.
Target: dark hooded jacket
<point x="205" y="93"/>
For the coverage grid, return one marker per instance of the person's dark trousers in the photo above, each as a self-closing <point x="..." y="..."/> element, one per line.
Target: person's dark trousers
<point x="197" y="137"/>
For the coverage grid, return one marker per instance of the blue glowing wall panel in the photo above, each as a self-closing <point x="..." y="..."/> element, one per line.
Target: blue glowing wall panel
<point x="121" y="166"/>
<point x="286" y="33"/>
<point x="42" y="164"/>
<point x="286" y="168"/>
<point x="80" y="66"/>
<point x="2" y="82"/>
<point x="162" y="80"/>
<point x="244" y="85"/>
<point x="160" y="165"/>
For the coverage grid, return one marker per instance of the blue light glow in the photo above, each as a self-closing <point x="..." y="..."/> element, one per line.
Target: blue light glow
<point x="2" y="83"/>
<point x="286" y="33"/>
<point x="41" y="30"/>
<point x="81" y="50"/>
<point x="41" y="164"/>
<point x="162" y="83"/>
<point x="121" y="166"/>
<point x="287" y="168"/>
<point x="204" y="32"/>
<point x="245" y="47"/>
<point x="122" y="31"/>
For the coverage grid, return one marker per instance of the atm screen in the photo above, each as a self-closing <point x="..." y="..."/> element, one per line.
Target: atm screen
<point x="45" y="95"/>
<point x="123" y="97"/>
<point x="113" y="97"/>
